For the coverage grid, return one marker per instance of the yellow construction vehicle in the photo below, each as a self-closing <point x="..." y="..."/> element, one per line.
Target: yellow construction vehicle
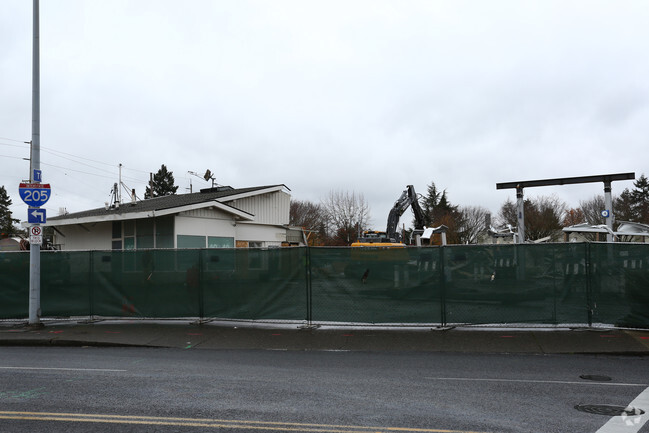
<point x="391" y="238"/>
<point x="375" y="239"/>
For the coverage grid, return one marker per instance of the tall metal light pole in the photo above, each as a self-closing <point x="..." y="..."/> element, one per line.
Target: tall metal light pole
<point x="520" y="214"/>
<point x="35" y="164"/>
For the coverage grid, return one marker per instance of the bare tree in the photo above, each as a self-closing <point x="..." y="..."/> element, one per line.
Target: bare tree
<point x="592" y="209"/>
<point x="306" y="214"/>
<point x="543" y="216"/>
<point x="473" y="221"/>
<point x="347" y="214"/>
<point x="573" y="217"/>
<point x="311" y="217"/>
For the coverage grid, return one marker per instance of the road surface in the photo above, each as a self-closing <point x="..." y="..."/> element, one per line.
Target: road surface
<point x="59" y="389"/>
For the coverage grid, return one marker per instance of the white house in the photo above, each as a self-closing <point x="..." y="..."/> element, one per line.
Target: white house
<point x="221" y="217"/>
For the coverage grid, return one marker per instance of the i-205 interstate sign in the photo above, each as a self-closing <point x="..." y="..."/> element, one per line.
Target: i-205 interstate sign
<point x="34" y="194"/>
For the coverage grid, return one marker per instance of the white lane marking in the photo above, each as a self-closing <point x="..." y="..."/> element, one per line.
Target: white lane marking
<point x="629" y="423"/>
<point x="562" y="382"/>
<point x="60" y="369"/>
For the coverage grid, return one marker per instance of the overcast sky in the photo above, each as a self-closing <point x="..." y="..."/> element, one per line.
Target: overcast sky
<point x="363" y="96"/>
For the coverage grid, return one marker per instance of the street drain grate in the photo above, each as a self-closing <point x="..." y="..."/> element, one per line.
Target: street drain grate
<point x="609" y="410"/>
<point x="595" y="377"/>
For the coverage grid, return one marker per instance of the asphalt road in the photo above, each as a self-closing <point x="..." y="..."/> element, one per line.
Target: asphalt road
<point x="58" y="389"/>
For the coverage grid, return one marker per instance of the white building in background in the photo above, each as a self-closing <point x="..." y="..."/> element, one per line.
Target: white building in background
<point x="221" y="217"/>
<point x="627" y="231"/>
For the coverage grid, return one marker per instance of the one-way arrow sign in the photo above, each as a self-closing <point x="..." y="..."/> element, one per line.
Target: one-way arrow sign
<point x="36" y="216"/>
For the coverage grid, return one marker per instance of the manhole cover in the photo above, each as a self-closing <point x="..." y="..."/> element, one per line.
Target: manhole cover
<point x="595" y="377"/>
<point x="609" y="410"/>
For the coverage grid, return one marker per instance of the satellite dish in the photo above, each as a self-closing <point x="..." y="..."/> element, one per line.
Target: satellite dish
<point x="208" y="175"/>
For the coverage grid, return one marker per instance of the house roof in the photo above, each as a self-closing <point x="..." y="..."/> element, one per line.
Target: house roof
<point x="169" y="204"/>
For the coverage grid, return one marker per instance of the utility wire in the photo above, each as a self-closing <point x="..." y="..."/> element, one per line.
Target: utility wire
<point x="12" y="139"/>
<point x="57" y="152"/>
<point x="12" y="145"/>
<point x="15" y="157"/>
<point x="132" y="179"/>
<point x="83" y="163"/>
<point x="93" y="174"/>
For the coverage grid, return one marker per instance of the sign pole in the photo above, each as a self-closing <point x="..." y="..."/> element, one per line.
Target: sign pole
<point x="608" y="200"/>
<point x="35" y="164"/>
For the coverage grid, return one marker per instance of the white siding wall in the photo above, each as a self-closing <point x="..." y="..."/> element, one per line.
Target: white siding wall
<point x="77" y="238"/>
<point x="198" y="223"/>
<point x="270" y="236"/>
<point x="205" y="222"/>
<point x="270" y="208"/>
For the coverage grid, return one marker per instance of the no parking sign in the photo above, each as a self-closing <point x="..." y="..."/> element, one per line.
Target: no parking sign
<point x="36" y="235"/>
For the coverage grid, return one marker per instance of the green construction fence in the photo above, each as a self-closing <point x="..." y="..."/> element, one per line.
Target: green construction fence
<point x="567" y="283"/>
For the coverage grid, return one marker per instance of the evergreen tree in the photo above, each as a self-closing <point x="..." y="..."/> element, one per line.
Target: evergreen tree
<point x="438" y="210"/>
<point x="633" y="205"/>
<point x="429" y="203"/>
<point x="163" y="184"/>
<point x="508" y="214"/>
<point x="640" y="200"/>
<point x="6" y="221"/>
<point x="623" y="207"/>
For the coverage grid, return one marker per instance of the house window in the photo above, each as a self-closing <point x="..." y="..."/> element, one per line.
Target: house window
<point x="164" y="232"/>
<point x="117" y="235"/>
<point x="129" y="243"/>
<point x="117" y="230"/>
<point x="188" y="241"/>
<point x="129" y="235"/>
<point x="144" y="233"/>
<point x="220" y="242"/>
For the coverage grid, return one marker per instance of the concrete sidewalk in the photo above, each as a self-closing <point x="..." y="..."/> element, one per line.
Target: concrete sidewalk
<point x="246" y="335"/>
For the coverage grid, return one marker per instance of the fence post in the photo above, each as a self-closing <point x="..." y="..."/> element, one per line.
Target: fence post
<point x="442" y="281"/>
<point x="553" y="272"/>
<point x="201" y="298"/>
<point x="91" y="294"/>
<point x="589" y="292"/>
<point x="309" y="300"/>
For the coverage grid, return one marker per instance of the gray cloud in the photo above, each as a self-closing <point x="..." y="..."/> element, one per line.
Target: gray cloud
<point x="363" y="96"/>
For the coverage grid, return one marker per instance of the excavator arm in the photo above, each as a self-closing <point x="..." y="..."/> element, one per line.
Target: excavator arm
<point x="408" y="198"/>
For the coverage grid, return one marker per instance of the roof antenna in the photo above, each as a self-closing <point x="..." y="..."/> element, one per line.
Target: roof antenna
<point x="114" y="202"/>
<point x="209" y="176"/>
